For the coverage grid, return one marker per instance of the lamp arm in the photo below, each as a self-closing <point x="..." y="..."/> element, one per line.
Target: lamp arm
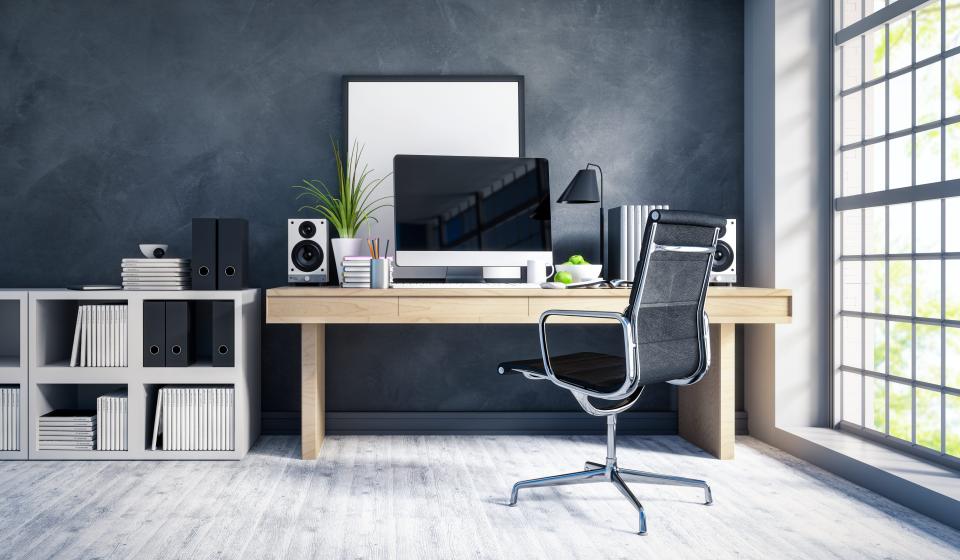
<point x="603" y="230"/>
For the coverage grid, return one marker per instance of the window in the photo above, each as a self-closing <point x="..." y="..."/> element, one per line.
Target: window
<point x="897" y="223"/>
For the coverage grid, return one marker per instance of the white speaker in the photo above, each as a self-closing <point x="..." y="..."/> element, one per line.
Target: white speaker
<point x="308" y="252"/>
<point x="725" y="260"/>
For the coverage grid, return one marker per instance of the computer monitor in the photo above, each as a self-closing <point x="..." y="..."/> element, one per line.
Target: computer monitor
<point x="457" y="211"/>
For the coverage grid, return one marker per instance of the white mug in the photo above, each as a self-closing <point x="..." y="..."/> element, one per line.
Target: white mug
<point x="537" y="272"/>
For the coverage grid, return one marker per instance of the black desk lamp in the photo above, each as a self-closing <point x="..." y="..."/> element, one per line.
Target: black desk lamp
<point x="583" y="189"/>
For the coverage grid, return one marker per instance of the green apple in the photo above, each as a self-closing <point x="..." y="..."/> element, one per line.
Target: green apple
<point x="577" y="259"/>
<point x="563" y="277"/>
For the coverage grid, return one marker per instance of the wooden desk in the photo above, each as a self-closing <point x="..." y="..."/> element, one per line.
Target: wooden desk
<point x="706" y="409"/>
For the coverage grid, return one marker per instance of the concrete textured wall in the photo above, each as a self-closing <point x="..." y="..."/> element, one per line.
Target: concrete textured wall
<point x="119" y="121"/>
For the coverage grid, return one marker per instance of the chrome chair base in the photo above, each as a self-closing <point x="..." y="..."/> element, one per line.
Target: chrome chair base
<point x="596" y="472"/>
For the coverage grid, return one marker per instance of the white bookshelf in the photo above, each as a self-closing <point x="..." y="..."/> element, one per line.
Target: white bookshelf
<point x="13" y="358"/>
<point x="54" y="384"/>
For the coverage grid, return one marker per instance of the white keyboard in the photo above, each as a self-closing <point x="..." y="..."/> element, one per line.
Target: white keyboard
<point x="468" y="285"/>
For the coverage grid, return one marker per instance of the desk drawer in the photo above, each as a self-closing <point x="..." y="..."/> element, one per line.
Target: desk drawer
<point x="539" y="305"/>
<point x="463" y="310"/>
<point x="332" y="310"/>
<point x="747" y="309"/>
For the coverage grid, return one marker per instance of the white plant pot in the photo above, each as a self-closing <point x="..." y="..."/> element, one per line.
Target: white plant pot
<point x="347" y="247"/>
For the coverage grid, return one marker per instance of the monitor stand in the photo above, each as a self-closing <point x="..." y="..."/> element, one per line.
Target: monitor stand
<point x="464" y="274"/>
<point x="481" y="274"/>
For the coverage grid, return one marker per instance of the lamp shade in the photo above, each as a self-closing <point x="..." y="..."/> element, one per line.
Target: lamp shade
<point x="582" y="189"/>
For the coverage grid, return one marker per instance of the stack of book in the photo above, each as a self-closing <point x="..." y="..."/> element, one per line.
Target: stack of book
<point x="112" y="421"/>
<point x="194" y="418"/>
<point x="68" y="429"/>
<point x="100" y="337"/>
<point x="155" y="274"/>
<point x="356" y="272"/>
<point x="625" y="225"/>
<point x="10" y="418"/>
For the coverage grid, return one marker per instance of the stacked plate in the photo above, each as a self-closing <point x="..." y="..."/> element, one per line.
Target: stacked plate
<point x="156" y="274"/>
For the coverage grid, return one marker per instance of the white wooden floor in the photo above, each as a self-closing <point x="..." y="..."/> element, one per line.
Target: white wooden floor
<point x="443" y="497"/>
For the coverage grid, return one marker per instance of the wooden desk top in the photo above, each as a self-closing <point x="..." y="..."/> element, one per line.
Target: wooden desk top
<point x="332" y="305"/>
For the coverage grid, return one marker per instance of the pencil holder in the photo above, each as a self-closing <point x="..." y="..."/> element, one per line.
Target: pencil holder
<point x="380" y="273"/>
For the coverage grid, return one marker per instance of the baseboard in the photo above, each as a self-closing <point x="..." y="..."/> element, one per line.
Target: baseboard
<point x="639" y="423"/>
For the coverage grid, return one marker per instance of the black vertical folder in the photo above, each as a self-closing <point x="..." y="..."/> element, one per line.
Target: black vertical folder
<point x="179" y="333"/>
<point x="232" y="253"/>
<point x="223" y="334"/>
<point x="203" y="261"/>
<point x="153" y="334"/>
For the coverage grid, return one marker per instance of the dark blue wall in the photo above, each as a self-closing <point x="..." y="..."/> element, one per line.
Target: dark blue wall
<point x="119" y="121"/>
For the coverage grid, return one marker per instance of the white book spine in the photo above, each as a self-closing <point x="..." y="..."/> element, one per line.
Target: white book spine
<point x="100" y="350"/>
<point x="191" y="407"/>
<point x="165" y="418"/>
<point x="203" y="419"/>
<point x="123" y="335"/>
<point x="176" y="419"/>
<point x="19" y="443"/>
<point x="107" y="342"/>
<point x="115" y="335"/>
<point x="114" y="404"/>
<point x="6" y="443"/>
<point x="113" y="422"/>
<point x="219" y="417"/>
<point x="4" y="418"/>
<point x="99" y="427"/>
<point x="83" y="335"/>
<point x="123" y="424"/>
<point x="75" y="351"/>
<point x="232" y="422"/>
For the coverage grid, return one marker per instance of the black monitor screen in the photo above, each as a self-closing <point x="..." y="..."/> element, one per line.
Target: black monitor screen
<point x="453" y="203"/>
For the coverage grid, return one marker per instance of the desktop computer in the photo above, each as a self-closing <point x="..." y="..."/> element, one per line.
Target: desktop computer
<point x="481" y="218"/>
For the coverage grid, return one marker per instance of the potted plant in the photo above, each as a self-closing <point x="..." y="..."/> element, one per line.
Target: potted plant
<point x="351" y="207"/>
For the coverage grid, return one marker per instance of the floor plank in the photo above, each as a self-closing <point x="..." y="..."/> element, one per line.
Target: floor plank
<point x="445" y="497"/>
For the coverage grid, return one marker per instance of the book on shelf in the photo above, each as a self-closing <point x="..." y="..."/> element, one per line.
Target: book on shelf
<point x="112" y="421"/>
<point x="67" y="429"/>
<point x="194" y="418"/>
<point x="155" y="274"/>
<point x="9" y="418"/>
<point x="100" y="336"/>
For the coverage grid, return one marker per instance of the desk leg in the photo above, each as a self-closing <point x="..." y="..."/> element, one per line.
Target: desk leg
<point x="313" y="379"/>
<point x="706" y="409"/>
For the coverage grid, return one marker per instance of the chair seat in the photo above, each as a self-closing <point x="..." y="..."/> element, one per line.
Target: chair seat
<point x="589" y="370"/>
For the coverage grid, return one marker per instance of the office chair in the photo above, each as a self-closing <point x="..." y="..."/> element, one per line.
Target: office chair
<point x="666" y="338"/>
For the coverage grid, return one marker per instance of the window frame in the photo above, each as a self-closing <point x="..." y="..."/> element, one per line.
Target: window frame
<point x="885" y="198"/>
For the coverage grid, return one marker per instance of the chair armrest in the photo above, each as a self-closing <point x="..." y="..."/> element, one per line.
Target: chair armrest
<point x="629" y="346"/>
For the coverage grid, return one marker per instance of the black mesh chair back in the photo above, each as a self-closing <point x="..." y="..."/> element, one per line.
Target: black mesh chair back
<point x="667" y="300"/>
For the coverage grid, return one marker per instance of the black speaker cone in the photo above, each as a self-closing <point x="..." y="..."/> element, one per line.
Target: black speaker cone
<point x="307" y="230"/>
<point x="307" y="256"/>
<point x="723" y="257"/>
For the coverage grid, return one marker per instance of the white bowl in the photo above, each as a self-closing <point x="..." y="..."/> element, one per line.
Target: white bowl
<point x="148" y="250"/>
<point x="581" y="272"/>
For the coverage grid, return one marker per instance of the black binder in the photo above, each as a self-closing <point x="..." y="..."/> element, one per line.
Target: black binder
<point x="179" y="333"/>
<point x="203" y="262"/>
<point x="153" y="334"/>
<point x="232" y="253"/>
<point x="222" y="338"/>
